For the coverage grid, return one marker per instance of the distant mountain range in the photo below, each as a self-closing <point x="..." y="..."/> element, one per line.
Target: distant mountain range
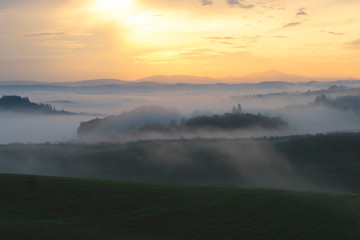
<point x="273" y="75"/>
<point x="270" y="79"/>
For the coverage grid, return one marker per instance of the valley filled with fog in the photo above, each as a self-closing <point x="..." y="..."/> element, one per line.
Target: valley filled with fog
<point x="267" y="135"/>
<point x="295" y="104"/>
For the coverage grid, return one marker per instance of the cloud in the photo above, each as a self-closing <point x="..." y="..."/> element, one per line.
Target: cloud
<point x="244" y="39"/>
<point x="197" y="52"/>
<point x="291" y="24"/>
<point x="246" y="6"/>
<point x="227" y="43"/>
<point x="354" y="44"/>
<point x="218" y="39"/>
<point x="221" y="38"/>
<point x="280" y="36"/>
<point x="241" y="46"/>
<point x="250" y="39"/>
<point x="333" y="33"/>
<point x="301" y="12"/>
<point x="45" y="34"/>
<point x="62" y="44"/>
<point x="233" y="2"/>
<point x="239" y="4"/>
<point x="206" y="2"/>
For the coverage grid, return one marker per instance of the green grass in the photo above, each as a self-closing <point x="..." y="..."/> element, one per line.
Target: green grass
<point x="33" y="207"/>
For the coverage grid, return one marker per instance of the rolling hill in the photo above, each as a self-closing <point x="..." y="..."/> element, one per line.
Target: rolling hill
<point x="34" y="207"/>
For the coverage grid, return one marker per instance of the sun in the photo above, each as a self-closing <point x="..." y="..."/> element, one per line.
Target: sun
<point x="113" y="5"/>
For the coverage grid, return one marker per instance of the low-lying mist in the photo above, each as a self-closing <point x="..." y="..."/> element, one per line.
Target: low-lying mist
<point x="224" y="160"/>
<point x="35" y="128"/>
<point x="243" y="163"/>
<point x="319" y="119"/>
<point x="294" y="107"/>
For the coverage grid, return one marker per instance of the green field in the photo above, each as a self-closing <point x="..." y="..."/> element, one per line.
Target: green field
<point x="34" y="207"/>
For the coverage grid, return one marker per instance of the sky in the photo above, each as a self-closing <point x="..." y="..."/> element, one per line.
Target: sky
<point x="70" y="40"/>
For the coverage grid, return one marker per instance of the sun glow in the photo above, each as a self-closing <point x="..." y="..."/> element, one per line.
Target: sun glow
<point x="113" y="5"/>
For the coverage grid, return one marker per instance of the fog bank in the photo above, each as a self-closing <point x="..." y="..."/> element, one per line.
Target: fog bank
<point x="241" y="163"/>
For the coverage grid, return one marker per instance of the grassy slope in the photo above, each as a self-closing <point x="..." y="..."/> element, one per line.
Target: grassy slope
<point x="34" y="207"/>
<point x="330" y="159"/>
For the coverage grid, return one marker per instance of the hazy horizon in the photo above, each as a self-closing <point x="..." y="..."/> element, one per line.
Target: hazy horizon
<point x="252" y="77"/>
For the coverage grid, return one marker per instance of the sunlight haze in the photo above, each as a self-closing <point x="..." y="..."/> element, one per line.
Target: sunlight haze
<point x="68" y="40"/>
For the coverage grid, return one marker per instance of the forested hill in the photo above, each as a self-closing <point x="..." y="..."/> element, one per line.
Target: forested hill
<point x="23" y="104"/>
<point x="349" y="103"/>
<point x="236" y="120"/>
<point x="168" y="121"/>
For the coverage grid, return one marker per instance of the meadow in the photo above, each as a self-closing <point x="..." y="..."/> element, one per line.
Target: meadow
<point x="34" y="207"/>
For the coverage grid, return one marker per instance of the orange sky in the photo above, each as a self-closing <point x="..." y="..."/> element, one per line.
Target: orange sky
<point x="68" y="40"/>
